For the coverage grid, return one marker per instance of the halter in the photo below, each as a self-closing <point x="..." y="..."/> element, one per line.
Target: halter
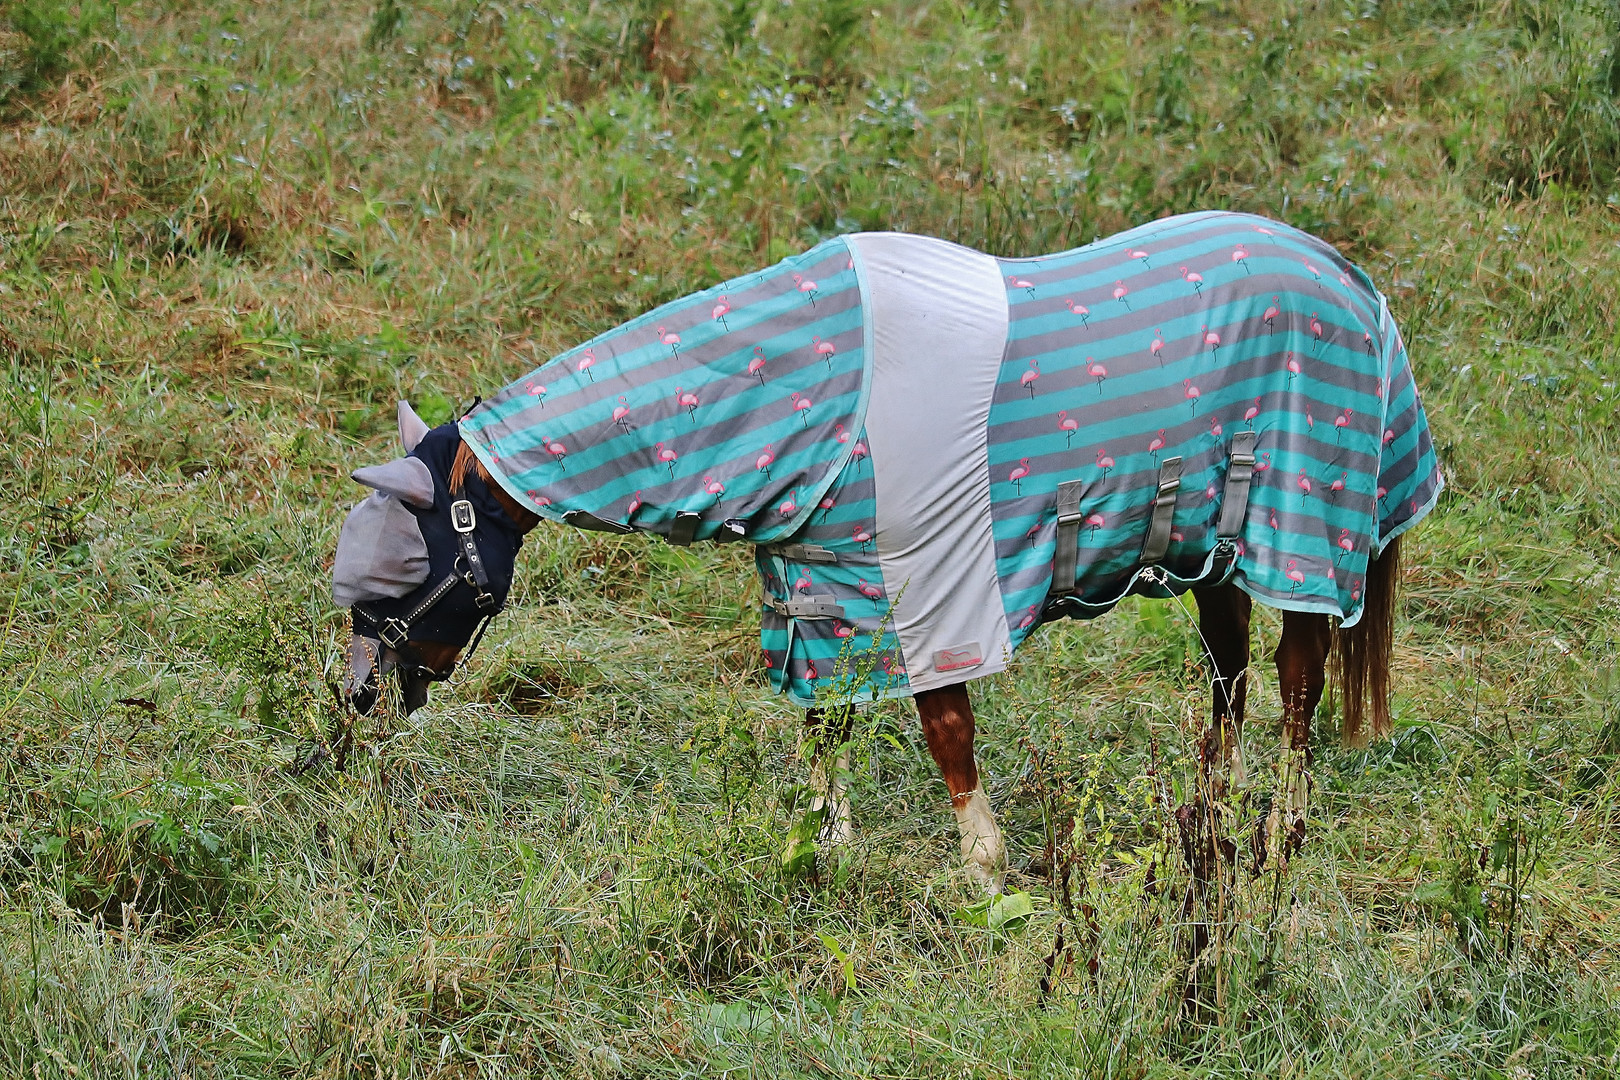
<point x="395" y="631"/>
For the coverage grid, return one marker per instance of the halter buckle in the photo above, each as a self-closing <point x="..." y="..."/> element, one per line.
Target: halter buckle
<point x="394" y="633"/>
<point x="462" y="518"/>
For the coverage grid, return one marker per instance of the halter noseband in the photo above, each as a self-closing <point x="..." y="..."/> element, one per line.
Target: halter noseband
<point x="395" y="631"/>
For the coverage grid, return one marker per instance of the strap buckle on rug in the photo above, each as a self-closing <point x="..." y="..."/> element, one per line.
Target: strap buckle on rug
<point x="1157" y="543"/>
<point x="803" y="553"/>
<point x="809" y="607"/>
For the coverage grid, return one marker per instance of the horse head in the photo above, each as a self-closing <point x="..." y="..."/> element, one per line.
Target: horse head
<point x="423" y="563"/>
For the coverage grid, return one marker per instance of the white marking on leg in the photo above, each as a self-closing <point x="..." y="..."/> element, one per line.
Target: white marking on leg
<point x="982" y="848"/>
<point x="832" y="792"/>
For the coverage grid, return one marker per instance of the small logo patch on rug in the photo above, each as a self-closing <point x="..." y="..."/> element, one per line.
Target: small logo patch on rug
<point x="964" y="656"/>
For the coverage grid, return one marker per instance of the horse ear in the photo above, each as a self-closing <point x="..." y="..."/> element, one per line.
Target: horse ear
<point x="405" y="478"/>
<point x="411" y="427"/>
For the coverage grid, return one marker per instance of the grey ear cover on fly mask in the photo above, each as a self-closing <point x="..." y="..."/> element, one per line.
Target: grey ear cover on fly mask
<point x="411" y="427"/>
<point x="381" y="553"/>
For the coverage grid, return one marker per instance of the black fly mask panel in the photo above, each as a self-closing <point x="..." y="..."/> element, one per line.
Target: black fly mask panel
<point x="416" y="563"/>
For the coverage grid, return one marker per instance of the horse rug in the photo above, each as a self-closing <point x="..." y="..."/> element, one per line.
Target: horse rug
<point x="917" y="436"/>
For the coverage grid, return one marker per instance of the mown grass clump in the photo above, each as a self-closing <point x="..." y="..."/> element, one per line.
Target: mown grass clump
<point x="233" y="235"/>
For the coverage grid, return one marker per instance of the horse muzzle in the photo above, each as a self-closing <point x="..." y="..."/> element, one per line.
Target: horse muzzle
<point x="370" y="662"/>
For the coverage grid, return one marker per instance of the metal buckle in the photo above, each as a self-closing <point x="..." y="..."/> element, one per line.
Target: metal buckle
<point x="394" y="633"/>
<point x="486" y="602"/>
<point x="462" y="518"/>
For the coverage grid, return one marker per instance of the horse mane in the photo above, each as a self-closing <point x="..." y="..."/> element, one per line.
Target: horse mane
<point x="466" y="462"/>
<point x="1363" y="657"/>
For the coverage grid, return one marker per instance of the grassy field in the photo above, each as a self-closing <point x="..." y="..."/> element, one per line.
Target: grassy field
<point x="232" y="234"/>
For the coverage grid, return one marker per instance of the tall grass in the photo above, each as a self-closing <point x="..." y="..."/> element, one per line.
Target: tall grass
<point x="232" y="235"/>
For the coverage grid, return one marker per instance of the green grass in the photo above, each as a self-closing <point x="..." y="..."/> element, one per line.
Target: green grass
<point x="232" y="235"/>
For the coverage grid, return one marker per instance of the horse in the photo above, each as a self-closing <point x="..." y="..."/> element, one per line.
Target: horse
<point x="934" y="451"/>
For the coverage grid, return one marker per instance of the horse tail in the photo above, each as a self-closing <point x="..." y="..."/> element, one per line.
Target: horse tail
<point x="1363" y="654"/>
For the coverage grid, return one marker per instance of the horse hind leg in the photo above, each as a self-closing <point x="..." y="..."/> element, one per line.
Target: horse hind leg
<point x="1223" y="624"/>
<point x="1301" y="658"/>
<point x="947" y="722"/>
<point x="830" y="786"/>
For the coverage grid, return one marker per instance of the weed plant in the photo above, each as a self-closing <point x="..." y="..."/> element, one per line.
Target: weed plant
<point x="233" y="234"/>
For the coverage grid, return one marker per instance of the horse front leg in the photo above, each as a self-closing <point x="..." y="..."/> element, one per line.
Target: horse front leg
<point x="1301" y="675"/>
<point x="947" y="722"/>
<point x="830" y="786"/>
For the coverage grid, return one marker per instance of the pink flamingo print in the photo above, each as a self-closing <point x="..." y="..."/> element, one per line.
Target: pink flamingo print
<point x="804" y="583"/>
<point x="1029" y="617"/>
<point x="756" y="366"/>
<point x="635" y="504"/>
<point x="1095" y="522"/>
<point x="826" y="507"/>
<point x="1212" y="339"/>
<point x="621" y="413"/>
<point x="861" y="536"/>
<point x="587" y="360"/>
<point x="1068" y="425"/>
<point x="1346" y="545"/>
<point x="1210" y="492"/>
<point x="1366" y="342"/>
<point x="810" y="672"/>
<point x="1316" y="328"/>
<point x="763" y="462"/>
<point x="1104" y="462"/>
<point x="892" y="667"/>
<point x="807" y="287"/>
<point x="1263" y="462"/>
<point x="1033" y="533"/>
<point x="1250" y="413"/>
<point x="1022" y="283"/>
<point x="1027" y="379"/>
<point x="1215" y="428"/>
<point x="714" y="487"/>
<point x="1273" y="521"/>
<point x="1080" y="310"/>
<point x="537" y="390"/>
<point x="667" y="456"/>
<point x="719" y="313"/>
<point x="868" y="590"/>
<point x="802" y="406"/>
<point x="1293" y="366"/>
<point x="1096" y="371"/>
<point x="1193" y="278"/>
<point x="841" y="435"/>
<point x="1191" y="394"/>
<point x="1138" y="254"/>
<point x="1314" y="272"/>
<point x="1240" y="255"/>
<point x="790" y="505"/>
<point x="1338" y="485"/>
<point x="688" y="401"/>
<point x="1355" y="592"/>
<point x="859" y="453"/>
<point x="1016" y="477"/>
<point x="1270" y="317"/>
<point x="1263" y="229"/>
<point x="1157" y="347"/>
<point x="1304" y="483"/>
<point x="1120" y="292"/>
<point x="1341" y="423"/>
<point x="1310" y="421"/>
<point x="672" y="339"/>
<point x="556" y="449"/>
<point x="1156" y="445"/>
<point x="825" y="350"/>
<point x="1389" y="436"/>
<point x="1295" y="576"/>
<point x="842" y="630"/>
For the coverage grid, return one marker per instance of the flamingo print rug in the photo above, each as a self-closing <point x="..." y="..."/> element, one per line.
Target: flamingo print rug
<point x="888" y="417"/>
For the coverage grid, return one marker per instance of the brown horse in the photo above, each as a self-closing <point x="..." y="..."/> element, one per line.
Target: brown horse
<point x="1063" y="430"/>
